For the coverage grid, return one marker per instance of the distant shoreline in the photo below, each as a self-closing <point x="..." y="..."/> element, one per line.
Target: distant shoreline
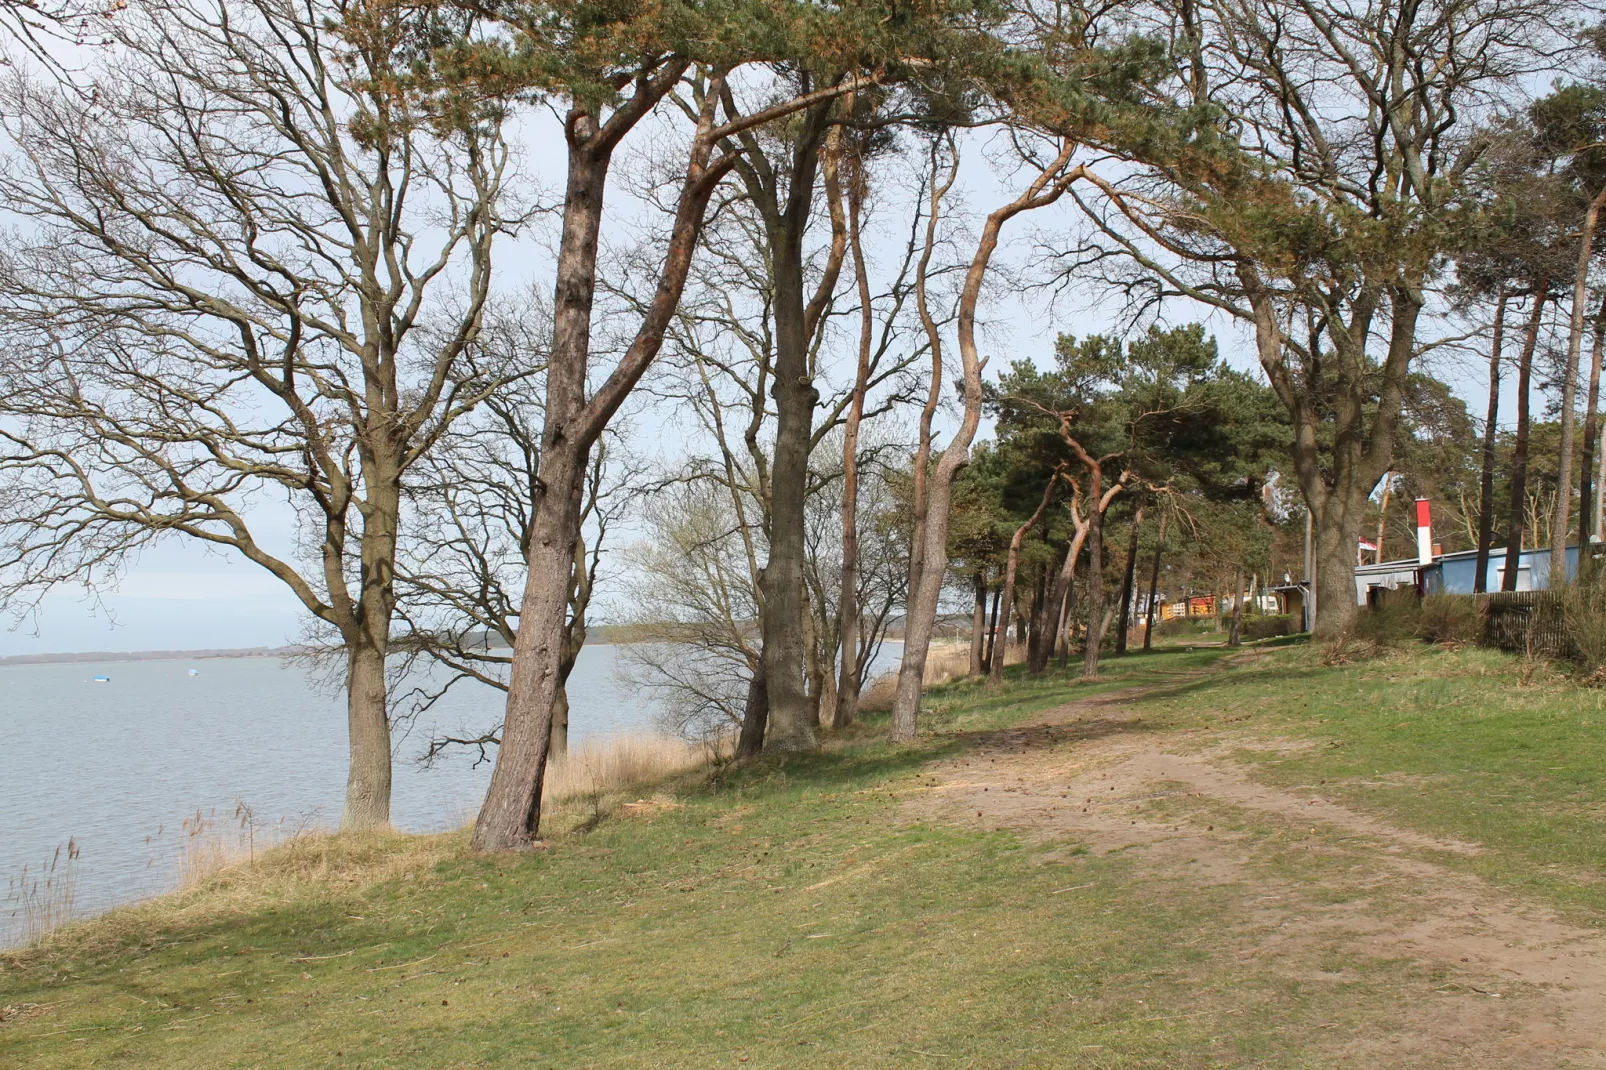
<point x="602" y="635"/>
<point x="150" y="655"/>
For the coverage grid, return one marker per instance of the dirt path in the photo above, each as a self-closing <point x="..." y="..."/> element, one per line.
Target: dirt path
<point x="1514" y="986"/>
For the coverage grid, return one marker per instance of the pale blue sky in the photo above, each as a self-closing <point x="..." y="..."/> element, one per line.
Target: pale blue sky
<point x="179" y="596"/>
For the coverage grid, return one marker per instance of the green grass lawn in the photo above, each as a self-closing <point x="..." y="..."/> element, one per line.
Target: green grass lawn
<point x="793" y="914"/>
<point x="1466" y="743"/>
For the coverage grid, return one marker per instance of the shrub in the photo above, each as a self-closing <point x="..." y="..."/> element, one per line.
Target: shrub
<point x="1451" y="619"/>
<point x="1179" y="626"/>
<point x="1394" y="619"/>
<point x="1583" y="610"/>
<point x="1268" y="627"/>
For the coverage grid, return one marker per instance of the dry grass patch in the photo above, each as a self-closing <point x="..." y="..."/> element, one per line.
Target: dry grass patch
<point x="947" y="662"/>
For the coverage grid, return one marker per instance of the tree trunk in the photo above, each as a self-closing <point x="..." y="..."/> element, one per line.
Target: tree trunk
<point x="1338" y="526"/>
<point x="1235" y="633"/>
<point x="978" y="627"/>
<point x="1046" y="188"/>
<point x="1587" y="487"/>
<point x="995" y="675"/>
<point x="992" y="626"/>
<point x="1154" y="586"/>
<point x="1128" y="578"/>
<point x="511" y="814"/>
<point x="814" y="672"/>
<point x="1058" y="599"/>
<point x="1518" y="502"/>
<point x="1337" y="480"/>
<point x="558" y="743"/>
<point x="1561" y="519"/>
<point x="1480" y="581"/>
<point x="847" y="694"/>
<point x="1047" y="610"/>
<point x="1383" y="514"/>
<point x="368" y="728"/>
<point x="1062" y="633"/>
<point x="755" y="717"/>
<point x="1095" y="587"/>
<point x="792" y="721"/>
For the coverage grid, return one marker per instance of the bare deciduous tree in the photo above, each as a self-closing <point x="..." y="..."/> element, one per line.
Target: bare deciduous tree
<point x="225" y="290"/>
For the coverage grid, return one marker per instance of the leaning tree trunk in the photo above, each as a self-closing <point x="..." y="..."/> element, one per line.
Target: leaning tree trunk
<point x="921" y="614"/>
<point x="1128" y="580"/>
<point x="1517" y="503"/>
<point x="1561" y="519"/>
<point x="847" y="693"/>
<point x="511" y="814"/>
<point x="1480" y="580"/>
<point x="368" y="726"/>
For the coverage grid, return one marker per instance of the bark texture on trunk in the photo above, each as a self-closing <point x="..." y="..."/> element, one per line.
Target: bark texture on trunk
<point x="1517" y="504"/>
<point x="510" y="816"/>
<point x="793" y="713"/>
<point x="1561" y="518"/>
<point x="558" y="743"/>
<point x="756" y="716"/>
<point x="1128" y="580"/>
<point x="1095" y="588"/>
<point x="1491" y="420"/>
<point x="1587" y="487"/>
<point x="368" y="728"/>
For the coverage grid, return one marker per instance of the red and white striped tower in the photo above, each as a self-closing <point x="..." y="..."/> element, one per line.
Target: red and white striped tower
<point x="1424" y="532"/>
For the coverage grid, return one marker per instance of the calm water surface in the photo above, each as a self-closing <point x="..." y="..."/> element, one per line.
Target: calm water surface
<point x="118" y="767"/>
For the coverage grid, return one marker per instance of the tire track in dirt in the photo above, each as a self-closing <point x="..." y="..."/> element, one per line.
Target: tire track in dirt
<point x="1524" y="988"/>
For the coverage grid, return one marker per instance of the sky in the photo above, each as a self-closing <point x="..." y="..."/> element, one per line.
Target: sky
<point x="177" y="595"/>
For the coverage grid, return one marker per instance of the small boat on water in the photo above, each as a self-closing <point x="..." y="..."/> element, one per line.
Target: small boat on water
<point x="103" y="679"/>
<point x="195" y="672"/>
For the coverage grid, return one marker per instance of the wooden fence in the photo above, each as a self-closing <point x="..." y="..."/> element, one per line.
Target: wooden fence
<point x="1527" y="622"/>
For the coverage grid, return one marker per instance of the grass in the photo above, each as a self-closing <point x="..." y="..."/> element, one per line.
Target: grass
<point x="793" y="913"/>
<point x="1460" y="742"/>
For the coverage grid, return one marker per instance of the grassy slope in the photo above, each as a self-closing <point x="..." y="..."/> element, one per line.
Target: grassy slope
<point x="787" y="915"/>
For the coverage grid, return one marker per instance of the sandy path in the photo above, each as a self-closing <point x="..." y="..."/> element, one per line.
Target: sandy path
<point x="1518" y="987"/>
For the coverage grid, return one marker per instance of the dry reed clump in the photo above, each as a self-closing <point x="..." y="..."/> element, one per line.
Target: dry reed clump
<point x="1583" y="609"/>
<point x="947" y="662"/>
<point x="39" y="902"/>
<point x="312" y="866"/>
<point x="595" y="772"/>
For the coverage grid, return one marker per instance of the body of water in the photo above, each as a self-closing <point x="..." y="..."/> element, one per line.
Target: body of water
<point x="119" y="765"/>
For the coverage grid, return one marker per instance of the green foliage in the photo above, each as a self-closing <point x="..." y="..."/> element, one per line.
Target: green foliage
<point x="1269" y="627"/>
<point x="1177" y="627"/>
